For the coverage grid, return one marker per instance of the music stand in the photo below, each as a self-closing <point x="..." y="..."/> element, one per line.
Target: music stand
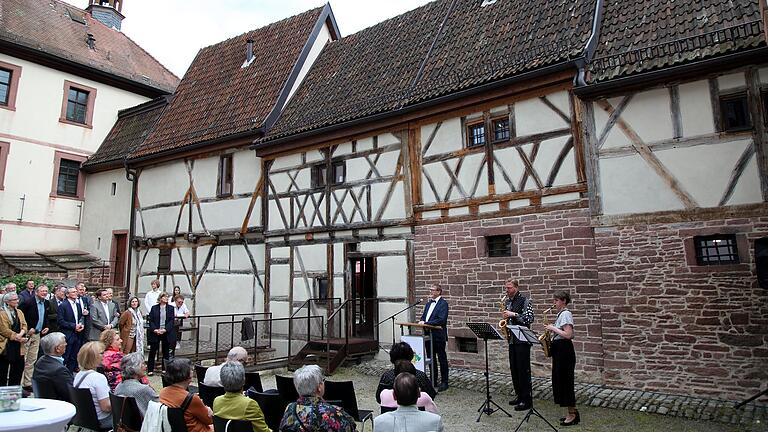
<point x="526" y="334"/>
<point x="486" y="331"/>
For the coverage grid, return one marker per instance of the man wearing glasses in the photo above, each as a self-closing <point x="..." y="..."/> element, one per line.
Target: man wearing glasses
<point x="436" y="314"/>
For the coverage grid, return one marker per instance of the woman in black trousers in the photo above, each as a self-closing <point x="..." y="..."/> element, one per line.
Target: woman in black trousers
<point x="563" y="359"/>
<point x="161" y="331"/>
<point x="13" y="337"/>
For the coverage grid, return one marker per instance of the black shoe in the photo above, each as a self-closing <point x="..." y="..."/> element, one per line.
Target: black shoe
<point x="522" y="406"/>
<point x="514" y="401"/>
<point x="443" y="387"/>
<point x="573" y="422"/>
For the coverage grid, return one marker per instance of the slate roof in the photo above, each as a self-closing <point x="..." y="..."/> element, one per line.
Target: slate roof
<point x="643" y="35"/>
<point x="218" y="98"/>
<point x="132" y="127"/>
<point x="56" y="28"/>
<point x="431" y="51"/>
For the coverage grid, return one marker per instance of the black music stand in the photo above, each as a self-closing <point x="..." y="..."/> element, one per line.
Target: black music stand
<point x="486" y="331"/>
<point x="526" y="334"/>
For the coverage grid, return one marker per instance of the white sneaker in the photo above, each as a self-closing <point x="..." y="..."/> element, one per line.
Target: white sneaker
<point x="178" y="345"/>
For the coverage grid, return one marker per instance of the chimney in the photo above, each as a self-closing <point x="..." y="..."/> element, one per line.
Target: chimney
<point x="91" y="41"/>
<point x="249" y="51"/>
<point x="107" y="12"/>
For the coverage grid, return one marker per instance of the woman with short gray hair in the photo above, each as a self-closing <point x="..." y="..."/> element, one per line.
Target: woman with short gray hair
<point x="13" y="339"/>
<point x="135" y="382"/>
<point x="310" y="411"/>
<point x="233" y="405"/>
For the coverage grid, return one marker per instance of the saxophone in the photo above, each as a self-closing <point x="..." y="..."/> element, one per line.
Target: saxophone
<point x="546" y="338"/>
<point x="503" y="323"/>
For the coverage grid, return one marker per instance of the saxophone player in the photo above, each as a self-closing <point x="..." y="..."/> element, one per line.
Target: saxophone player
<point x="519" y="311"/>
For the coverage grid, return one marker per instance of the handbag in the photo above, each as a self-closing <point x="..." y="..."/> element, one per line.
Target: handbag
<point x="121" y="427"/>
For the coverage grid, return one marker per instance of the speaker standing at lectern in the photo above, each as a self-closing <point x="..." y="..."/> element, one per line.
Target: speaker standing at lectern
<point x="436" y="314"/>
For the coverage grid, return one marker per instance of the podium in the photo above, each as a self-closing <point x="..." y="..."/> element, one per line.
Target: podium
<point x="418" y="343"/>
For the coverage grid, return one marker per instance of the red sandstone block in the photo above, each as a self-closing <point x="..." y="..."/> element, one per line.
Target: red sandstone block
<point x="577" y="232"/>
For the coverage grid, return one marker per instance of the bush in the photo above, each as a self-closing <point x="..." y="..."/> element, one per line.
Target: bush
<point x="21" y="280"/>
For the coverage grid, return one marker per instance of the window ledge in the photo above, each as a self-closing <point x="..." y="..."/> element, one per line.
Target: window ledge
<point x="721" y="268"/>
<point x="74" y="198"/>
<point x="70" y="122"/>
<point x="7" y="107"/>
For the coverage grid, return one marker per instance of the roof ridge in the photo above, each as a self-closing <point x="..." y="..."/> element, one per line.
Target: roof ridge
<point x="150" y="55"/>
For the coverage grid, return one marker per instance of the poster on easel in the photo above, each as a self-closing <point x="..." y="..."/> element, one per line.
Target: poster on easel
<point x="417" y="344"/>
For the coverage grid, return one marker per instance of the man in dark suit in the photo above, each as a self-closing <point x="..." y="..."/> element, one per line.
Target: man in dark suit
<point x="70" y="318"/>
<point x="37" y="323"/>
<point x="28" y="294"/>
<point x="436" y="314"/>
<point x="51" y="378"/>
<point x="85" y="302"/>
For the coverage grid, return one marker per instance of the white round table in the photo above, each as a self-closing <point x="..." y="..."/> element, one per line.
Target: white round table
<point x="53" y="417"/>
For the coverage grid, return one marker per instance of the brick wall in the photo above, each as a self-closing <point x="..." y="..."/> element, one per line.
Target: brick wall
<point x="671" y="326"/>
<point x="551" y="251"/>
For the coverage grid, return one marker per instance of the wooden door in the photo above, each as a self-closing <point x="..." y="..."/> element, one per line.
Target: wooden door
<point x="363" y="295"/>
<point x="119" y="258"/>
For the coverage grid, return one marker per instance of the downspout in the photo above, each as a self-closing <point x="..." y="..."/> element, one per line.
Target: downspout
<point x="131" y="176"/>
<point x="590" y="48"/>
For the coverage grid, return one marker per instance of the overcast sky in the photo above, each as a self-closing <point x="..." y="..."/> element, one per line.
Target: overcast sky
<point x="174" y="30"/>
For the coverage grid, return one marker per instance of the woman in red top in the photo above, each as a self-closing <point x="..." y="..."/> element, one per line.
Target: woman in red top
<point x="112" y="356"/>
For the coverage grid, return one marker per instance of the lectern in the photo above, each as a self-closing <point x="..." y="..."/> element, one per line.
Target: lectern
<point x="418" y="343"/>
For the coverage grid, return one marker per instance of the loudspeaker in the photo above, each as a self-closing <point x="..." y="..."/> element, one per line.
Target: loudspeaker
<point x="761" y="261"/>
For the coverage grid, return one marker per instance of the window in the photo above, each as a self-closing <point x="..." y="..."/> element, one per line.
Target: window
<point x="501" y="130"/>
<point x="164" y="261"/>
<point x="716" y="250"/>
<point x="114" y="188"/>
<point x="499" y="245"/>
<point x="465" y="344"/>
<point x="225" y="176"/>
<point x="320" y="174"/>
<point x="475" y="135"/>
<point x="321" y="287"/>
<point x="734" y="111"/>
<point x="69" y="171"/>
<point x="9" y="84"/>
<point x="68" y="180"/>
<point x="78" y="104"/>
<point x="5" y="85"/>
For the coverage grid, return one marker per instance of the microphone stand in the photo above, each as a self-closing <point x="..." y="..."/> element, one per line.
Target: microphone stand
<point x="392" y="317"/>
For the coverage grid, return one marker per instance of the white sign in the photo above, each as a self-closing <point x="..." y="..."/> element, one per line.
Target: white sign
<point x="417" y="344"/>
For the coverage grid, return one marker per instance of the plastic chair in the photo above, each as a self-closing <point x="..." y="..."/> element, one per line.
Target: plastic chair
<point x="286" y="388"/>
<point x="226" y="425"/>
<point x="345" y="392"/>
<point x="208" y="393"/>
<point x="85" y="416"/>
<point x="253" y="380"/>
<point x="200" y="373"/>
<point x="125" y="407"/>
<point x="272" y="405"/>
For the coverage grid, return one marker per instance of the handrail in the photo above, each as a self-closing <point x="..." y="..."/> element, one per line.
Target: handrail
<point x="313" y="299"/>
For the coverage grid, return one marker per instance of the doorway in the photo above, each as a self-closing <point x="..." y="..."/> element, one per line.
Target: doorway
<point x="363" y="296"/>
<point x="119" y="257"/>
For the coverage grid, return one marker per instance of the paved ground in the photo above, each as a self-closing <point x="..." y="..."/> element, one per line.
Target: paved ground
<point x="459" y="404"/>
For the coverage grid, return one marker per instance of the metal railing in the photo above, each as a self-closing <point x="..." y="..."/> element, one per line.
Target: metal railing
<point x="212" y="347"/>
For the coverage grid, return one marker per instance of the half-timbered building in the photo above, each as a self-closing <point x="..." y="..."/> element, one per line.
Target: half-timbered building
<point x="615" y="150"/>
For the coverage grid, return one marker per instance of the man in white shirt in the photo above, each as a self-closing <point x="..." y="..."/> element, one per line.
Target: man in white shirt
<point x="436" y="314"/>
<point x="213" y="374"/>
<point x="150" y="299"/>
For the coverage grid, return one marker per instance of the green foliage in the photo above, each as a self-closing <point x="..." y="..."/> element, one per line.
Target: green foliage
<point x="21" y="280"/>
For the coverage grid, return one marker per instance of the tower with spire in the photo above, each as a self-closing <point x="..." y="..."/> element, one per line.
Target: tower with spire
<point x="109" y="12"/>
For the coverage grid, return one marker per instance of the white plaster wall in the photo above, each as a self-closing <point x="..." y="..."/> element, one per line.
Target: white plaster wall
<point x="696" y="108"/>
<point x="24" y="239"/>
<point x="649" y="115"/>
<point x="279" y="280"/>
<point x="385" y="329"/>
<point x="313" y="256"/>
<point x="383" y="246"/>
<point x="391" y="276"/>
<point x="104" y="213"/>
<point x="242" y="291"/>
<point x="225" y="214"/>
<point x="731" y="81"/>
<point x="629" y="185"/>
<point x="246" y="171"/>
<point x="161" y="221"/>
<point x="205" y="176"/>
<point x="448" y="138"/>
<point x="395" y="208"/>
<point x="317" y="47"/>
<point x="532" y="116"/>
<point x="546" y="157"/>
<point x="163" y="183"/>
<point x="510" y="160"/>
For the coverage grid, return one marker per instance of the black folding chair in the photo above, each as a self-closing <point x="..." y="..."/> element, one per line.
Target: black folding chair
<point x="176" y="420"/>
<point x="125" y="412"/>
<point x="208" y="393"/>
<point x="253" y="380"/>
<point x="85" y="416"/>
<point x="46" y="390"/>
<point x="286" y="388"/>
<point x="345" y="392"/>
<point x="200" y="373"/>
<point x="272" y="405"/>
<point x="226" y="425"/>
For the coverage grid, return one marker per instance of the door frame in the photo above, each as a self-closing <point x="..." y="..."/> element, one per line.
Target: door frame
<point x="113" y="258"/>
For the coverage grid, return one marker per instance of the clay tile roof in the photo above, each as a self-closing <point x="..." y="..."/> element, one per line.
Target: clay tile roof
<point x="643" y="35"/>
<point x="461" y="46"/>
<point x="132" y="127"/>
<point x="56" y="28"/>
<point x="218" y="97"/>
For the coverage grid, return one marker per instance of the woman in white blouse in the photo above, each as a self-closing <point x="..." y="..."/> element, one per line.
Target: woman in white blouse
<point x="563" y="359"/>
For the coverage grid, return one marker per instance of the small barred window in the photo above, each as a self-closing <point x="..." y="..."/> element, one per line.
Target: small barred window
<point x="499" y="245"/>
<point x="716" y="250"/>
